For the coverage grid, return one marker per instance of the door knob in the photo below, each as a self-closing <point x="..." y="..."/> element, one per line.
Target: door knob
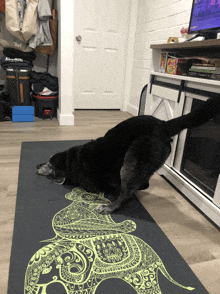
<point x="78" y="38"/>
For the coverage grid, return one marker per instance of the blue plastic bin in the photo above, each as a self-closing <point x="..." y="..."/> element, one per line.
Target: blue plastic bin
<point x="23" y="113"/>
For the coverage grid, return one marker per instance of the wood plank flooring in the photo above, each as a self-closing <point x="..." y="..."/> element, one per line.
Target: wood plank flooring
<point x="197" y="239"/>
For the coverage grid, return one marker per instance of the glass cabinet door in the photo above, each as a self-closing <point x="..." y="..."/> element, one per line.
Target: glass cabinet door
<point x="201" y="154"/>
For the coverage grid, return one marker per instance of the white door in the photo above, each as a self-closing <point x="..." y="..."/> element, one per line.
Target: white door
<point x="100" y="56"/>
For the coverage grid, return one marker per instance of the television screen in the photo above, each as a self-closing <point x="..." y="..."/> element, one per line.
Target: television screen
<point x="205" y="15"/>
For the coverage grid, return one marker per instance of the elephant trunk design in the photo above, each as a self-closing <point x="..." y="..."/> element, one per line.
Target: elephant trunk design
<point x="89" y="248"/>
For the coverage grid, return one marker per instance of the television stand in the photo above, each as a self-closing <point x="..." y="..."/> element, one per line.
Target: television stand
<point x="169" y="96"/>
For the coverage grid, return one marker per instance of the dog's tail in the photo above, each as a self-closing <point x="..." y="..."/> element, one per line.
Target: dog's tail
<point x="195" y="118"/>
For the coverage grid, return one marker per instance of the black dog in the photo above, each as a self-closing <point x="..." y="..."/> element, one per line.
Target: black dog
<point x="123" y="161"/>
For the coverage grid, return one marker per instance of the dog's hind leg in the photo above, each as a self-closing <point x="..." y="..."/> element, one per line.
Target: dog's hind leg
<point x="142" y="159"/>
<point x="130" y="183"/>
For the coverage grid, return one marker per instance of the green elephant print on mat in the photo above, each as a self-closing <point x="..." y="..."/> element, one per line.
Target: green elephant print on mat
<point x="89" y="248"/>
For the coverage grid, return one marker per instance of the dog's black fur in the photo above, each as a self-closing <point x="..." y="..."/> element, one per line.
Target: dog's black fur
<point x="123" y="161"/>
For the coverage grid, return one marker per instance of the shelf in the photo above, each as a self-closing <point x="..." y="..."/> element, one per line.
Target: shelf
<point x="187" y="78"/>
<point x="210" y="48"/>
<point x="188" y="45"/>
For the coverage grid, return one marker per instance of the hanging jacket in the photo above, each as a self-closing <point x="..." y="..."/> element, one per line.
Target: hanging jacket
<point x="43" y="36"/>
<point x="20" y="18"/>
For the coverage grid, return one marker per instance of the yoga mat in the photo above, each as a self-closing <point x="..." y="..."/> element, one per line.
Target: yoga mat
<point x="61" y="245"/>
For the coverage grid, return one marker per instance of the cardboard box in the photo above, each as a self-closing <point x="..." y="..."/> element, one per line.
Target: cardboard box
<point x="172" y="66"/>
<point x="23" y="113"/>
<point x="163" y="62"/>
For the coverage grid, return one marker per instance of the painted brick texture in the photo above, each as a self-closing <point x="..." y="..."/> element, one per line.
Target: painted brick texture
<point x="156" y="21"/>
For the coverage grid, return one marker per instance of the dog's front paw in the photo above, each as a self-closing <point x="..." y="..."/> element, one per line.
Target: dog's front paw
<point x="59" y="181"/>
<point x="103" y="209"/>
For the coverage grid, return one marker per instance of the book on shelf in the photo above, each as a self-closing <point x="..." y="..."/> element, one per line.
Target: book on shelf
<point x="204" y="64"/>
<point x="206" y="69"/>
<point x="204" y="75"/>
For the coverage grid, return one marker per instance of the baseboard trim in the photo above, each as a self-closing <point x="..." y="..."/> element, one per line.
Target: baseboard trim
<point x="132" y="109"/>
<point x="65" y="119"/>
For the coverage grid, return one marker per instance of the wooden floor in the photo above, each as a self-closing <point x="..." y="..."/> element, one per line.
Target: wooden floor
<point x="197" y="240"/>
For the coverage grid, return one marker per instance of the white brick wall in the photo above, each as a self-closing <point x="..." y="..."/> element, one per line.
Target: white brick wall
<point x="156" y="21"/>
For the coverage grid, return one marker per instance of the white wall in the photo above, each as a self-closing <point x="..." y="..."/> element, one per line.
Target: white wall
<point x="65" y="68"/>
<point x="156" y="21"/>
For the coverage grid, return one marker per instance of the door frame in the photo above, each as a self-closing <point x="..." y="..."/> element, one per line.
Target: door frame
<point x="65" y="64"/>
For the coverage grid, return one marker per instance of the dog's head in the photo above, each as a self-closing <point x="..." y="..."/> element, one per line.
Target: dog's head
<point x="55" y="168"/>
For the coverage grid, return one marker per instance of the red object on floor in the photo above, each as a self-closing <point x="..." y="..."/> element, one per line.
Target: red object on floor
<point x="47" y="112"/>
<point x="45" y="106"/>
<point x="2" y="6"/>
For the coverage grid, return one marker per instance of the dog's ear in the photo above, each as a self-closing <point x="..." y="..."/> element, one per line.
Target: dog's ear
<point x="58" y="161"/>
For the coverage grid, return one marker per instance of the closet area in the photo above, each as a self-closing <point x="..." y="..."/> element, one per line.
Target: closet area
<point x="29" y="86"/>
